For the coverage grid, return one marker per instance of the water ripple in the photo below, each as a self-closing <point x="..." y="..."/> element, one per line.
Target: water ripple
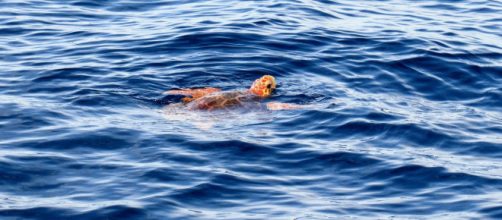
<point x="404" y="117"/>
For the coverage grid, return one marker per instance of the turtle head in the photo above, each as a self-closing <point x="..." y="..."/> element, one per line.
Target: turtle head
<point x="264" y="86"/>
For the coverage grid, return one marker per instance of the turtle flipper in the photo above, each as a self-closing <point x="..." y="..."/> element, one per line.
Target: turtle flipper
<point x="194" y="93"/>
<point x="187" y="99"/>
<point x="275" y="106"/>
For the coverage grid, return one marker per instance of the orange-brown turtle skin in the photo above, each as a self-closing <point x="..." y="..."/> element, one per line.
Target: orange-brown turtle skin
<point x="213" y="98"/>
<point x="223" y="100"/>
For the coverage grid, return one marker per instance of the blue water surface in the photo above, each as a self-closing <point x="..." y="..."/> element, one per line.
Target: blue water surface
<point x="404" y="117"/>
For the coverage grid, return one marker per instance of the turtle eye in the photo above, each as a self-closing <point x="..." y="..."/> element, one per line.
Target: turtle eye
<point x="269" y="86"/>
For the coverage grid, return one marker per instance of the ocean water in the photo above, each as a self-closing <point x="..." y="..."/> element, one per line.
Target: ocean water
<point x="404" y="116"/>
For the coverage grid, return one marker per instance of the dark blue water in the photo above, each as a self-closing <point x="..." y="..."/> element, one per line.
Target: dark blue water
<point x="404" y="117"/>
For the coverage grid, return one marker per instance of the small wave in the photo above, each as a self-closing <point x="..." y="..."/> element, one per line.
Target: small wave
<point x="402" y="116"/>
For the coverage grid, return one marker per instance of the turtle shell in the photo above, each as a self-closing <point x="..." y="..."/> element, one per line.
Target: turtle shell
<point x="224" y="100"/>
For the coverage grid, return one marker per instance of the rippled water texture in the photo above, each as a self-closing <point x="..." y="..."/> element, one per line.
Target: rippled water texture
<point x="405" y="116"/>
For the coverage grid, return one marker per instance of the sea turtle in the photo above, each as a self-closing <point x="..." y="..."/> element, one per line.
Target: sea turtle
<point x="213" y="98"/>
